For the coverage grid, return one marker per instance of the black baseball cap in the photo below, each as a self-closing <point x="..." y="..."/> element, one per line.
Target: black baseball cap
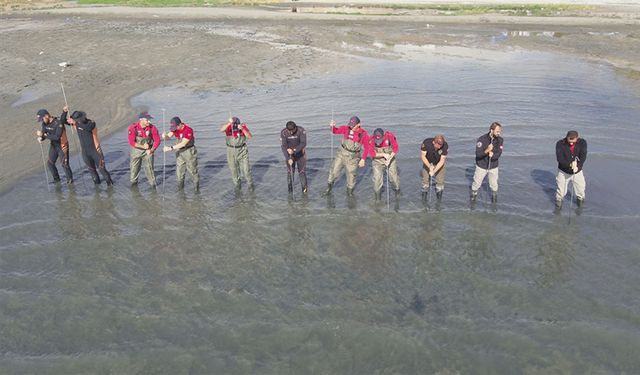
<point x="41" y="113"/>
<point x="175" y="122"/>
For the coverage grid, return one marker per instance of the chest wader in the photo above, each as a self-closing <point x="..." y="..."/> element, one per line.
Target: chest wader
<point x="187" y="160"/>
<point x="379" y="166"/>
<point x="139" y="156"/>
<point x="238" y="160"/>
<point x="347" y="157"/>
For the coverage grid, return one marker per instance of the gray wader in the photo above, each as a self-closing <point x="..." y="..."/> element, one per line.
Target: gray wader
<point x="238" y="160"/>
<point x="378" y="170"/>
<point x="347" y="157"/>
<point x="139" y="156"/>
<point x="187" y="160"/>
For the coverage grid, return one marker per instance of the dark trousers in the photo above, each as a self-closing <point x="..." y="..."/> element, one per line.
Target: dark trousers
<point x="56" y="150"/>
<point x="94" y="161"/>
<point x="301" y="162"/>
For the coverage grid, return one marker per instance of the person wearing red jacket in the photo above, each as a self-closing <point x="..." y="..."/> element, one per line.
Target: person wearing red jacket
<point x="186" y="152"/>
<point x="383" y="148"/>
<point x="351" y="155"/>
<point x="144" y="139"/>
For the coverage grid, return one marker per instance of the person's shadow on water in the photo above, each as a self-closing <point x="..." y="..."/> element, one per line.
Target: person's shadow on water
<point x="547" y="181"/>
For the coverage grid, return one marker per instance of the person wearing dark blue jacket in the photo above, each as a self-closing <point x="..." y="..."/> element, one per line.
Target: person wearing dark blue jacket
<point x="571" y="153"/>
<point x="488" y="151"/>
<point x="53" y="130"/>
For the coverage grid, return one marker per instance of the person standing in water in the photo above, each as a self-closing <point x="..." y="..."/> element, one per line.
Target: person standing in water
<point x="89" y="144"/>
<point x="383" y="148"/>
<point x="53" y="130"/>
<point x="236" y="135"/>
<point x="351" y="155"/>
<point x="144" y="140"/>
<point x="488" y="151"/>
<point x="293" y="141"/>
<point x="571" y="153"/>
<point x="433" y="154"/>
<point x="186" y="152"/>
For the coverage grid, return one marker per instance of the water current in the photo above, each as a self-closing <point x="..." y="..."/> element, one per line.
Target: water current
<point x="118" y="281"/>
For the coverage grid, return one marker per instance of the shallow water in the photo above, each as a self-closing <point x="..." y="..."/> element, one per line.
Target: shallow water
<point x="141" y="282"/>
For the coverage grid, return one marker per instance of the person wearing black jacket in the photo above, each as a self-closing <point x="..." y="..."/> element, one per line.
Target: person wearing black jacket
<point x="293" y="140"/>
<point x="89" y="143"/>
<point x="488" y="151"/>
<point x="53" y="130"/>
<point x="571" y="153"/>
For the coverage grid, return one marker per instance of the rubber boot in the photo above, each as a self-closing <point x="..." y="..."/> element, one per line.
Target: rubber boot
<point x="580" y="202"/>
<point x="251" y="188"/>
<point x="329" y="188"/>
<point x="494" y="197"/>
<point x="303" y="183"/>
<point x="290" y="187"/>
<point x="197" y="186"/>
<point x="425" y="196"/>
<point x="378" y="195"/>
<point x="558" y="204"/>
<point x="439" y="195"/>
<point x="181" y="185"/>
<point x="398" y="193"/>
<point x="474" y="195"/>
<point x="109" y="182"/>
<point x="350" y="192"/>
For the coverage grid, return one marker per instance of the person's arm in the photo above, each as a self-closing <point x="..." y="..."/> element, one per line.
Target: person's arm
<point x="132" y="136"/>
<point x="343" y="129"/>
<point x="440" y="164"/>
<point x="423" y="157"/>
<point x="394" y="144"/>
<point x="183" y="142"/>
<point x="96" y="141"/>
<point x="40" y="133"/>
<point x="156" y="138"/>
<point x="284" y="143"/>
<point x="561" y="156"/>
<point x="303" y="141"/>
<point x="481" y="150"/>
<point x="497" y="148"/>
<point x="583" y="152"/>
<point x="224" y="127"/>
<point x="245" y="131"/>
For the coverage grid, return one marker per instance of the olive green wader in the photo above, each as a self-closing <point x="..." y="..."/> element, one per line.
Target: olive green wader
<point x="139" y="156"/>
<point x="187" y="160"/>
<point x="238" y="160"/>
<point x="379" y="167"/>
<point x="347" y="157"/>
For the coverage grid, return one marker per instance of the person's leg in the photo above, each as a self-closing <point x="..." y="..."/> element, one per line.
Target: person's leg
<point x="64" y="149"/>
<point x="478" y="177"/>
<point x="302" y="172"/>
<point x="245" y="167"/>
<point x="352" y="173"/>
<point x="181" y="169"/>
<point x="377" y="176"/>
<point x="147" y="161"/>
<point x="192" y="166"/>
<point x="579" y="185"/>
<point x="51" y="163"/>
<point x="233" y="166"/>
<point x="91" y="165"/>
<point x="394" y="178"/>
<point x="134" y="165"/>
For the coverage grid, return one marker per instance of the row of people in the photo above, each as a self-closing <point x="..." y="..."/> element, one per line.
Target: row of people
<point x="355" y="148"/>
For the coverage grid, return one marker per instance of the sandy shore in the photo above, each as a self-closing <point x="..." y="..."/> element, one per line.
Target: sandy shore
<point x="116" y="53"/>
